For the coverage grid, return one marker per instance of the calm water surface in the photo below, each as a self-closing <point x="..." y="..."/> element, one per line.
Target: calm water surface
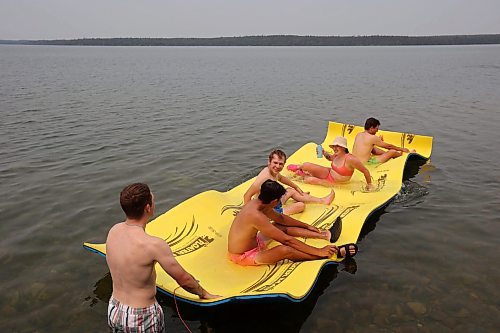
<point x="79" y="123"/>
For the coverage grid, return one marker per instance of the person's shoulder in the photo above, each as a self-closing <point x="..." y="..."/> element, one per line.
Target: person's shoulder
<point x="154" y="241"/>
<point x="280" y="176"/>
<point x="153" y="244"/>
<point x="116" y="226"/>
<point x="260" y="216"/>
<point x="351" y="158"/>
<point x="262" y="176"/>
<point x="250" y="212"/>
<point x="372" y="137"/>
<point x="115" y="229"/>
<point x="358" y="138"/>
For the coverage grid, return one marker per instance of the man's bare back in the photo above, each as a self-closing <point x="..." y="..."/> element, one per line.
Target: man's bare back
<point x="242" y="234"/>
<point x="131" y="255"/>
<point x="131" y="264"/>
<point x="363" y="146"/>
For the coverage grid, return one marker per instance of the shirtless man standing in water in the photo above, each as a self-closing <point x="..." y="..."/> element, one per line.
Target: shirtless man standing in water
<point x="366" y="143"/>
<point x="131" y="255"/>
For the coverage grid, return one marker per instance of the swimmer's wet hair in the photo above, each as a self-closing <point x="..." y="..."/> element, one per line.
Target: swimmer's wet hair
<point x="278" y="152"/>
<point x="134" y="199"/>
<point x="271" y="190"/>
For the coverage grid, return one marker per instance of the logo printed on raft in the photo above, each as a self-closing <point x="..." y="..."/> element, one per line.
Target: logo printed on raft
<point x="196" y="244"/>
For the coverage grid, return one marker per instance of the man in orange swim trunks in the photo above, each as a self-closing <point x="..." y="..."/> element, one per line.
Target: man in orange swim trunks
<point x="251" y="229"/>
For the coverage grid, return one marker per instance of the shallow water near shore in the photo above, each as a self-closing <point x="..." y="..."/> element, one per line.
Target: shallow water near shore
<point x="80" y="123"/>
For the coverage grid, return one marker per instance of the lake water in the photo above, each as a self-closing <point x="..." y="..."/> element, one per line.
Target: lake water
<point x="79" y="123"/>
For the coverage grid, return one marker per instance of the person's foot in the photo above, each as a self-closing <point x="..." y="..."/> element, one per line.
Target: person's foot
<point x="347" y="251"/>
<point x="329" y="198"/>
<point x="335" y="230"/>
<point x="295" y="168"/>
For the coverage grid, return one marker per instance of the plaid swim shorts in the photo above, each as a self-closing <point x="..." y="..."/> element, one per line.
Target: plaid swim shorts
<point x="123" y="318"/>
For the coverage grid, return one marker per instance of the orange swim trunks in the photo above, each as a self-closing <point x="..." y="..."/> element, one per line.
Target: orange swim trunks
<point x="248" y="258"/>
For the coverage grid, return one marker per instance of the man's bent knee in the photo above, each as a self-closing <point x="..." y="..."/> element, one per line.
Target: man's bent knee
<point x="294" y="208"/>
<point x="286" y="252"/>
<point x="395" y="153"/>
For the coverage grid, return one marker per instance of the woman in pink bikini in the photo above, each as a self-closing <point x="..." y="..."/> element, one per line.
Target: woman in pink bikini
<point x="343" y="165"/>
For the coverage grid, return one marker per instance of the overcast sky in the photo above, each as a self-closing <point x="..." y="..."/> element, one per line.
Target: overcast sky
<point x="66" y="19"/>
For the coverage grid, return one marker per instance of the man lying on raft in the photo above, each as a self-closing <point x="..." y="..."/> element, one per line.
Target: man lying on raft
<point x="342" y="167"/>
<point x="366" y="143"/>
<point x="251" y="230"/>
<point x="275" y="164"/>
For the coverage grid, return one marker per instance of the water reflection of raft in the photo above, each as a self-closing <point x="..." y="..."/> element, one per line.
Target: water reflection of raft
<point x="197" y="228"/>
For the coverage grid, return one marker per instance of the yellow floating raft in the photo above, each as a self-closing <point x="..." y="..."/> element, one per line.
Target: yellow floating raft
<point x="197" y="228"/>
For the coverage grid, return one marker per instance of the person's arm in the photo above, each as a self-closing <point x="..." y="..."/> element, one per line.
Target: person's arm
<point x="272" y="232"/>
<point x="327" y="155"/>
<point x="288" y="182"/>
<point x="356" y="163"/>
<point x="252" y="190"/>
<point x="289" y="221"/>
<point x="380" y="143"/>
<point x="163" y="255"/>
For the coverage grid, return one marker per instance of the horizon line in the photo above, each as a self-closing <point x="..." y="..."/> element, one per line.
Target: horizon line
<point x="244" y="36"/>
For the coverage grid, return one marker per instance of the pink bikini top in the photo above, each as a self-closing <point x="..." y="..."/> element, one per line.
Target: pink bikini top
<point x="343" y="170"/>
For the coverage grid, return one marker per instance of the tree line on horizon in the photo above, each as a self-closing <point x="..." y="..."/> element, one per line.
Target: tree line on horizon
<point x="274" y="40"/>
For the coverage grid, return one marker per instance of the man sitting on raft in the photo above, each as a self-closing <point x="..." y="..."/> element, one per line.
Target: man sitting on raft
<point x="366" y="143"/>
<point x="275" y="164"/>
<point x="342" y="167"/>
<point x="251" y="229"/>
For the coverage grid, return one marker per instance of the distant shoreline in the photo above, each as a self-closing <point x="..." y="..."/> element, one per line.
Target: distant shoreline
<point x="274" y="40"/>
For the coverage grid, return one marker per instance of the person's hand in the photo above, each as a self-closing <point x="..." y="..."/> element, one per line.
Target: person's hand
<point x="370" y="187"/>
<point x="406" y="150"/>
<point x="328" y="251"/>
<point x="299" y="190"/>
<point x="207" y="295"/>
<point x="310" y="227"/>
